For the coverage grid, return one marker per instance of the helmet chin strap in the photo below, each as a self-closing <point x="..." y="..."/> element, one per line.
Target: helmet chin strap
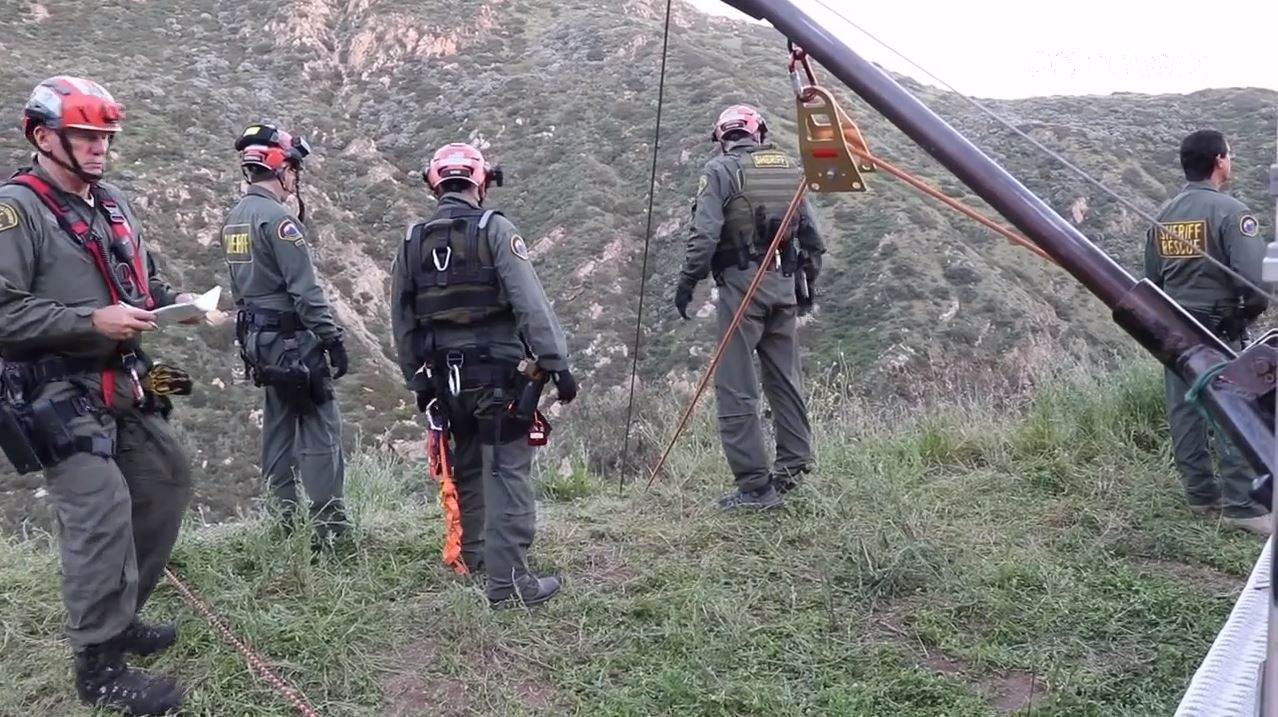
<point x="74" y="165"/>
<point x="297" y="192"/>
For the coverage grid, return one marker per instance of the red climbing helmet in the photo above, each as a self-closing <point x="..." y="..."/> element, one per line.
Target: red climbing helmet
<point x="739" y="117"/>
<point x="63" y="102"/>
<point x="458" y="160"/>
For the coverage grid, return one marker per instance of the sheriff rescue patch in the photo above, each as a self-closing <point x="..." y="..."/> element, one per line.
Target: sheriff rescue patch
<point x="702" y="184"/>
<point x="1248" y="225"/>
<point x="1182" y="240"/>
<point x="290" y="232"/>
<point x="518" y="247"/>
<point x="237" y="244"/>
<point x="8" y="217"/>
<point x="770" y="159"/>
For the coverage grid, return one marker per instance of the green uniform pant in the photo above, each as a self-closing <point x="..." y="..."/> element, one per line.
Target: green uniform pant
<point x="296" y="443"/>
<point x="492" y="467"/>
<point x="1193" y="459"/>
<point x="117" y="519"/>
<point x="767" y="329"/>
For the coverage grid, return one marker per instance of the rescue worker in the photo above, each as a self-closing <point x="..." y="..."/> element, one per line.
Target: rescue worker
<point x="285" y="330"/>
<point x="467" y="307"/>
<point x="741" y="199"/>
<point x="1203" y="219"/>
<point x="77" y="290"/>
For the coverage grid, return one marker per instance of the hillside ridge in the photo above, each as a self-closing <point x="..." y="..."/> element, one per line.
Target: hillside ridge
<point x="563" y="96"/>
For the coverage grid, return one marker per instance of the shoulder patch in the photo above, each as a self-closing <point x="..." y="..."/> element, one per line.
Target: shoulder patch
<point x="1248" y="225"/>
<point x="702" y="184"/>
<point x="290" y="232"/>
<point x="518" y="247"/>
<point x="8" y="217"/>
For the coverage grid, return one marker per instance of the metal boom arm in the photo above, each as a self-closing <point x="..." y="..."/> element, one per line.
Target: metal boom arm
<point x="1240" y="399"/>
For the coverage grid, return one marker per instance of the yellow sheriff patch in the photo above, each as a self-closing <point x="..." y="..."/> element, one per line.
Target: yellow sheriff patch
<point x="8" y="217"/>
<point x="1182" y="240"/>
<point x="770" y="159"/>
<point x="237" y="244"/>
<point x="702" y="184"/>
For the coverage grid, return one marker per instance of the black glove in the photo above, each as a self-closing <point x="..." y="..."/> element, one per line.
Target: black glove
<point x="423" y="399"/>
<point x="813" y="267"/>
<point x="683" y="296"/>
<point x="337" y="357"/>
<point x="565" y="384"/>
<point x="1233" y="327"/>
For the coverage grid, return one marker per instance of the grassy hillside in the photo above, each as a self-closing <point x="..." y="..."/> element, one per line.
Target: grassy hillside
<point x="563" y="95"/>
<point x="983" y="561"/>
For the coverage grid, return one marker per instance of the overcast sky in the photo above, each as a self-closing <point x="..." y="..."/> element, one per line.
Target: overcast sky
<point x="992" y="48"/>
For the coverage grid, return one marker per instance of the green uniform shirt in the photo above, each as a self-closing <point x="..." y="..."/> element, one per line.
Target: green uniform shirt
<point x="49" y="285"/>
<point x="1202" y="219"/>
<point x="534" y="318"/>
<point x="270" y="263"/>
<point x="714" y="189"/>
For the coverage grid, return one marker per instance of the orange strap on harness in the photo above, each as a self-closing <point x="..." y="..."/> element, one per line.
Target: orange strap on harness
<point x="441" y="470"/>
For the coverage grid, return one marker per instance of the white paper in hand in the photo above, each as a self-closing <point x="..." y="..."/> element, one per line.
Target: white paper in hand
<point x="203" y="304"/>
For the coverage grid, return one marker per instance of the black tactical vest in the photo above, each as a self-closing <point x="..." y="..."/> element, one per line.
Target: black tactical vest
<point x="764" y="181"/>
<point x="455" y="279"/>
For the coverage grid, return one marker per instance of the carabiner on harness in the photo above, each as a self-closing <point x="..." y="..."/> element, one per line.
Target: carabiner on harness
<point x="442" y="264"/>
<point x="130" y="361"/>
<point x="454" y="362"/>
<point x="433" y="419"/>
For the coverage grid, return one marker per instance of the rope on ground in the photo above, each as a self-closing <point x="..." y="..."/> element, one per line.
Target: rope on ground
<point x="255" y="662"/>
<point x="790" y="214"/>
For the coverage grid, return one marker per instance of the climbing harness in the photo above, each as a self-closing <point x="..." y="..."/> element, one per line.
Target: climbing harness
<point x="441" y="471"/>
<point x="120" y="261"/>
<point x="830" y="145"/>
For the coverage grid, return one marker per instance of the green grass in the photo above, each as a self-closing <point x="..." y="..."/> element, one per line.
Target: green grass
<point x="972" y="562"/>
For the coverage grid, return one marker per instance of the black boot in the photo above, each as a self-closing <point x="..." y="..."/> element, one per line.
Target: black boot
<point x="140" y="638"/>
<point x="104" y="680"/>
<point x="787" y="479"/>
<point x="765" y="498"/>
<point x="531" y="591"/>
<point x="331" y="527"/>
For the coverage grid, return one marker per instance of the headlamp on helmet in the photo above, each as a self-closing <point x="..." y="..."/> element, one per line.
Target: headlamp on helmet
<point x="265" y="145"/>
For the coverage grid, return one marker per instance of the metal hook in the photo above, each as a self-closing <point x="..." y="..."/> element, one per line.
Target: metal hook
<point x="448" y="255"/>
<point x="432" y="416"/>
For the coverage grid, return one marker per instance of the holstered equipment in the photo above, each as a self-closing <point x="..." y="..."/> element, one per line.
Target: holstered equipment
<point x="36" y="434"/>
<point x="304" y="388"/>
<point x="518" y="386"/>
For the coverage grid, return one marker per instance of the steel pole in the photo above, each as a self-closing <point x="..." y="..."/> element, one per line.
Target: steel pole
<point x="1164" y="328"/>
